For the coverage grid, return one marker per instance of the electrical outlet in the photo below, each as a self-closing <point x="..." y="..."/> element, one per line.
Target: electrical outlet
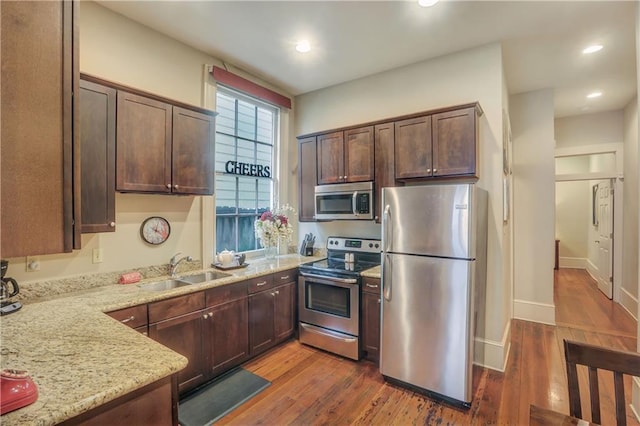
<point x="97" y="255"/>
<point x="33" y="263"/>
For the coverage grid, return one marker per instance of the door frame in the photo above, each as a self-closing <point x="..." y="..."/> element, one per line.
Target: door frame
<point x="617" y="178"/>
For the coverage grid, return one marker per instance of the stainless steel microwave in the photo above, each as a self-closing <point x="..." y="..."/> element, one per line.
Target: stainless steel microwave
<point x="345" y="201"/>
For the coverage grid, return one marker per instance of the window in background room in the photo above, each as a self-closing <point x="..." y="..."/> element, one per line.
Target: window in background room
<point x="246" y="132"/>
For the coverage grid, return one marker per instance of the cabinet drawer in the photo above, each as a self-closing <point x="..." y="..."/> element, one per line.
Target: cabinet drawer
<point x="261" y="283"/>
<point x="226" y="293"/>
<point x="371" y="285"/>
<point x="134" y="317"/>
<point x="284" y="277"/>
<point x="176" y="306"/>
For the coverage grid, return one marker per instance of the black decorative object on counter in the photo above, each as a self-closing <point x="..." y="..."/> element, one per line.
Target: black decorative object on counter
<point x="8" y="289"/>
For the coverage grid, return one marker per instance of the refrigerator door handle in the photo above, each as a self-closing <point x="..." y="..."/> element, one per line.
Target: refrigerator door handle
<point x="386" y="283"/>
<point x="386" y="226"/>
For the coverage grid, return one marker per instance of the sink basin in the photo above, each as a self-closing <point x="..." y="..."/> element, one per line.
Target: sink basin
<point x="163" y="285"/>
<point x="205" y="276"/>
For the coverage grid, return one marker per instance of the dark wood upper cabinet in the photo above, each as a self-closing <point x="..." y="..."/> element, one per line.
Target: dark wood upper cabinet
<point x="143" y="144"/>
<point x="359" y="155"/>
<point x="39" y="178"/>
<point x="307" y="179"/>
<point x="346" y="156"/>
<point x="330" y="158"/>
<point x="98" y="154"/>
<point x="192" y="152"/>
<point x="455" y="143"/>
<point x="413" y="148"/>
<point x="384" y="136"/>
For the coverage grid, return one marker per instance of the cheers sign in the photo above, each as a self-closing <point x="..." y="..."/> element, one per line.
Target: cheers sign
<point x="245" y="169"/>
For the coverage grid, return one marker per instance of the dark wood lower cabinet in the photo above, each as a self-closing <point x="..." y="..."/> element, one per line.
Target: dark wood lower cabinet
<point x="153" y="405"/>
<point x="228" y="335"/>
<point x="183" y="334"/>
<point x="371" y="318"/>
<point x="271" y="317"/>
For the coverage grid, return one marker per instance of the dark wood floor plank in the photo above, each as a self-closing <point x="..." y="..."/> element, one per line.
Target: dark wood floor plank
<point x="312" y="387"/>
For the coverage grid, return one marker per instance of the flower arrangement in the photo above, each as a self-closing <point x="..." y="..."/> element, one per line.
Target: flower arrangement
<point x="272" y="227"/>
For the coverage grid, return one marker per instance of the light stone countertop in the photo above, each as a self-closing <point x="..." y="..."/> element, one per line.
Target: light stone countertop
<point x="373" y="272"/>
<point x="81" y="358"/>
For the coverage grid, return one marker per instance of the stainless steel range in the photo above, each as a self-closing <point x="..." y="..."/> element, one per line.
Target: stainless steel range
<point x="329" y="295"/>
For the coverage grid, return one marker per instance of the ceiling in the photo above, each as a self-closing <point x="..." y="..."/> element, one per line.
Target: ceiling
<point x="542" y="41"/>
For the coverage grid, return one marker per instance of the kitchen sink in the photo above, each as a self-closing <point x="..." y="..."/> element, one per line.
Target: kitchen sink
<point x="163" y="285"/>
<point x="205" y="276"/>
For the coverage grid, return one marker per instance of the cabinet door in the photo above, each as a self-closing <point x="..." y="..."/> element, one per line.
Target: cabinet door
<point x="192" y="152"/>
<point x="358" y="155"/>
<point x="455" y="143"/>
<point x="261" y="321"/>
<point x="331" y="158"/>
<point x="371" y="318"/>
<point x="183" y="334"/>
<point x="385" y="175"/>
<point x="284" y="311"/>
<point x="307" y="179"/>
<point x="98" y="154"/>
<point x="39" y="177"/>
<point x="228" y="335"/>
<point x="143" y="154"/>
<point x="413" y="156"/>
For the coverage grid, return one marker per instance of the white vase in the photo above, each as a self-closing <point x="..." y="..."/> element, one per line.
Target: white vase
<point x="270" y="252"/>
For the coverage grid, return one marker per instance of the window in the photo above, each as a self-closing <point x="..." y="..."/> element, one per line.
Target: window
<point x="246" y="132"/>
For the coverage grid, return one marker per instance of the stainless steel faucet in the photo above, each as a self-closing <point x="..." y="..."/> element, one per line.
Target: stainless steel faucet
<point x="174" y="262"/>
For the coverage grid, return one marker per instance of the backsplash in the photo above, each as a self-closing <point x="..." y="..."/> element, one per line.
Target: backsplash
<point x="37" y="291"/>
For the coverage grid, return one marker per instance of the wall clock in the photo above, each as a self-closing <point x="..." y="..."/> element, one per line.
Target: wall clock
<point x="155" y="230"/>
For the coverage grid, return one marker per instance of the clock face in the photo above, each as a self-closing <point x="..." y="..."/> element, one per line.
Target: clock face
<point x="155" y="230"/>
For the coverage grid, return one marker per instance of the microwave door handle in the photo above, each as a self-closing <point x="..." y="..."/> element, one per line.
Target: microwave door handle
<point x="354" y="203"/>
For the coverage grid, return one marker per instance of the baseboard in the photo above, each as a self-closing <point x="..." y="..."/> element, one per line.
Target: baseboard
<point x="629" y="303"/>
<point x="573" y="262"/>
<point x="534" y="311"/>
<point x="592" y="270"/>
<point x="491" y="353"/>
<point x="635" y="398"/>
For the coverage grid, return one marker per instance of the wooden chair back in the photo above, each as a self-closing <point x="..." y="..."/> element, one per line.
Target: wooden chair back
<point x="596" y="357"/>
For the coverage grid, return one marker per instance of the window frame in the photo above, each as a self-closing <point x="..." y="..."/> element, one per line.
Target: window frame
<point x="275" y="166"/>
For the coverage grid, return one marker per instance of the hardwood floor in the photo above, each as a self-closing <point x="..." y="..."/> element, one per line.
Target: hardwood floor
<point x="311" y="387"/>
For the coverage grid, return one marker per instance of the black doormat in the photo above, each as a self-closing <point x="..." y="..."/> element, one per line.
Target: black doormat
<point x="213" y="401"/>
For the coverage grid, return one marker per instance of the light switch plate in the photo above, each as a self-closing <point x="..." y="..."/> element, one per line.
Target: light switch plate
<point x="97" y="255"/>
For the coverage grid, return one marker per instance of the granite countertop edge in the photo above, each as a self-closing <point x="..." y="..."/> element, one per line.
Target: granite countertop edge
<point x="95" y="358"/>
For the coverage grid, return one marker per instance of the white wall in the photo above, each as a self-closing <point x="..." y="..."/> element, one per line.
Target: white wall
<point x="629" y="290"/>
<point x="589" y="129"/>
<point x="573" y="218"/>
<point x="473" y="75"/>
<point x="534" y="199"/>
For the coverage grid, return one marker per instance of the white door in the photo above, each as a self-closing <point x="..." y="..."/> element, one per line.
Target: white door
<point x="604" y="243"/>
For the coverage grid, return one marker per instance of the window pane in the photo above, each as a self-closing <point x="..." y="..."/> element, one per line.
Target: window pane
<point x="245" y="133"/>
<point x="225" y="233"/>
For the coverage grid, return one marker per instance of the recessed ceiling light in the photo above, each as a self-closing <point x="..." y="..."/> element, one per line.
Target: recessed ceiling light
<point x="594" y="95"/>
<point x="303" y="46"/>
<point x="592" y="49"/>
<point x="427" y="3"/>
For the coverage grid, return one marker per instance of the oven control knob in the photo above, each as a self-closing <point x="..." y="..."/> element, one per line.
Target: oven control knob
<point x="370" y="245"/>
<point x="377" y="245"/>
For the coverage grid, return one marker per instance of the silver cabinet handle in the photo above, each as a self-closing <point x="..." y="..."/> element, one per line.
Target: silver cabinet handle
<point x="126" y="320"/>
<point x="428" y="170"/>
<point x="371" y="285"/>
<point x="277" y="291"/>
<point x="112" y="224"/>
<point x="175" y="186"/>
<point x="261" y="284"/>
<point x="435" y="170"/>
<point x="169" y="185"/>
<point x="285" y="278"/>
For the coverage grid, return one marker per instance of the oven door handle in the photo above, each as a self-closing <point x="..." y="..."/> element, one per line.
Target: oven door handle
<point x="328" y="280"/>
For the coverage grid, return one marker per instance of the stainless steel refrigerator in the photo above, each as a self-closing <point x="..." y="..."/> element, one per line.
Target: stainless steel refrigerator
<point x="433" y="269"/>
